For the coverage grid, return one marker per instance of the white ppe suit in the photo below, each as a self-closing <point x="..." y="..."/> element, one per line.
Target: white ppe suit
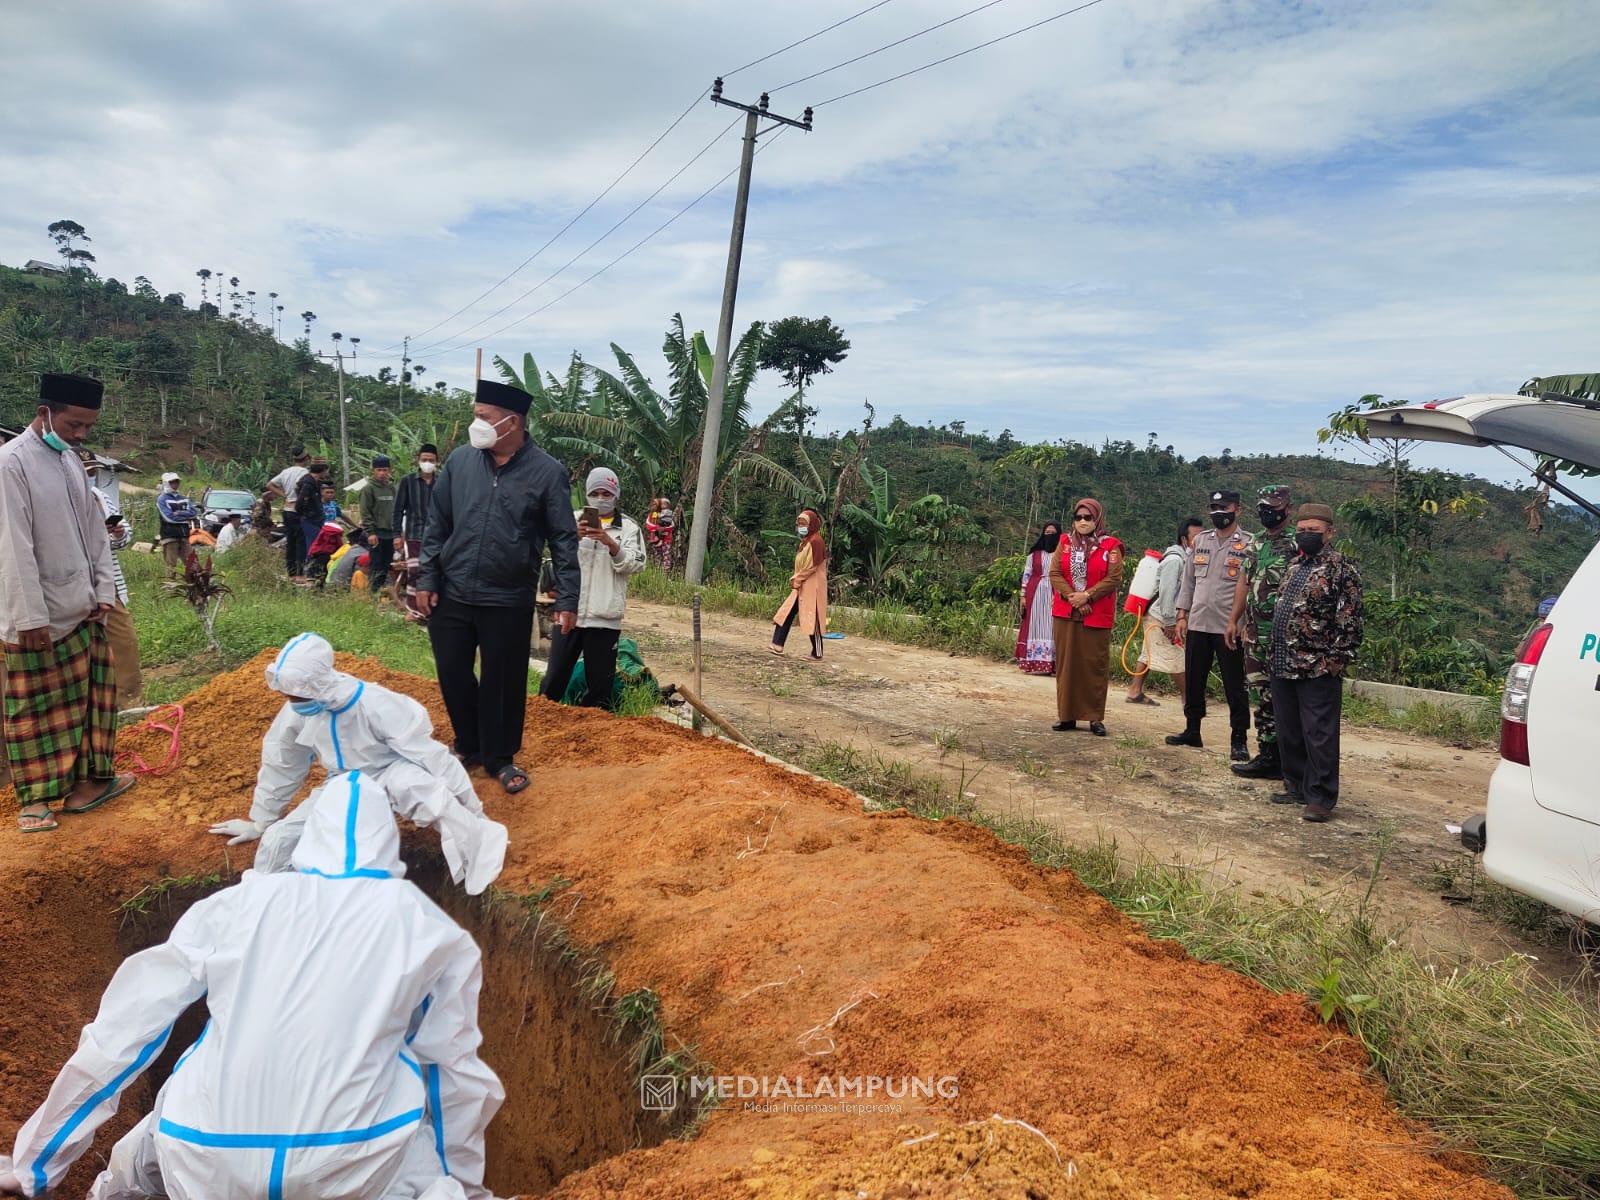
<point x="367" y="728"/>
<point x="341" y="1058"/>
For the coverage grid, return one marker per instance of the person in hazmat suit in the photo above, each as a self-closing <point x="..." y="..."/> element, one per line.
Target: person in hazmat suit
<point x="341" y="1057"/>
<point x="348" y="724"/>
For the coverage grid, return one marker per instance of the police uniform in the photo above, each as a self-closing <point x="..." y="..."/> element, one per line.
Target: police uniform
<point x="1263" y="580"/>
<point x="1216" y="561"/>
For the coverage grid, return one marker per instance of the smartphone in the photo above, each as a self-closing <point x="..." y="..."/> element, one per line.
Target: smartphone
<point x="591" y="516"/>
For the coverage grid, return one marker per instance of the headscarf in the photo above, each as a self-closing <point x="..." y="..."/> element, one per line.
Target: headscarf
<point x="819" y="552"/>
<point x="1094" y="506"/>
<point x="1047" y="541"/>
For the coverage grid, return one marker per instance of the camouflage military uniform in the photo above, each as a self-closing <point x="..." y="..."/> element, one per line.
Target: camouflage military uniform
<point x="1263" y="580"/>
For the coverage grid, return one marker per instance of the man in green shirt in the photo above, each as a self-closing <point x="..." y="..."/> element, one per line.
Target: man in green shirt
<point x="377" y="517"/>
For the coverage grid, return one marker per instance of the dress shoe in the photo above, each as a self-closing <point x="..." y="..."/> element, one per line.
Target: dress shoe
<point x="1097" y="728"/>
<point x="1262" y="766"/>
<point x="1315" y="813"/>
<point x="1064" y="726"/>
<point x="1240" y="751"/>
<point x="1189" y="737"/>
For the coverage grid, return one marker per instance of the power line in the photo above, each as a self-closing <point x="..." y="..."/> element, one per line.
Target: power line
<point x="958" y="54"/>
<point x="637" y="245"/>
<point x="678" y="120"/>
<point x="617" y="225"/>
<point x="910" y="37"/>
<point x="557" y="235"/>
<point x="804" y="40"/>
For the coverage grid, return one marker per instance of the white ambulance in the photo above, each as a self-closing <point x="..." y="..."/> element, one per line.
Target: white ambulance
<point x="1540" y="834"/>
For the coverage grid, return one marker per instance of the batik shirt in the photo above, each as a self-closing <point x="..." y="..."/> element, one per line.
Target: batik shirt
<point x="1317" y="621"/>
<point x="1264" y="579"/>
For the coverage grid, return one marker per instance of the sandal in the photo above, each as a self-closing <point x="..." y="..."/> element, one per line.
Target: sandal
<point x="513" y="778"/>
<point x="778" y="650"/>
<point x="114" y="788"/>
<point x="40" y="820"/>
<point x="1143" y="700"/>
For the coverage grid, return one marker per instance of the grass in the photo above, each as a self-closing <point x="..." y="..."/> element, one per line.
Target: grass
<point x="1498" y="1059"/>
<point x="158" y="895"/>
<point x="1462" y="879"/>
<point x="1474" y="727"/>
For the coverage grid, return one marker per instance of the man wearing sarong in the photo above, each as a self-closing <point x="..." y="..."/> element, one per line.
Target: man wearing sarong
<point x="57" y="585"/>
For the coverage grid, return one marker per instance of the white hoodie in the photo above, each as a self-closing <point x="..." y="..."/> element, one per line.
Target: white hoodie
<point x="604" y="591"/>
<point x="343" y="1038"/>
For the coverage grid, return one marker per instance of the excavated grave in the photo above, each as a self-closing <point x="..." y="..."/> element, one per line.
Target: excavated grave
<point x="776" y="933"/>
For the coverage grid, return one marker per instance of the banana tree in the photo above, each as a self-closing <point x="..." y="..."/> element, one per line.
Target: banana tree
<point x="884" y="537"/>
<point x="554" y="398"/>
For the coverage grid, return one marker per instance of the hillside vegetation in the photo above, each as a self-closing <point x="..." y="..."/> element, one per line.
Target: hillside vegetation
<point x="932" y="518"/>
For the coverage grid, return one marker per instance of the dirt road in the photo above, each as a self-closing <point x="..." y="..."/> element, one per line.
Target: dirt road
<point x="987" y="724"/>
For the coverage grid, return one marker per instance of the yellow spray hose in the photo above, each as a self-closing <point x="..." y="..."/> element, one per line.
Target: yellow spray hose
<point x="1138" y="620"/>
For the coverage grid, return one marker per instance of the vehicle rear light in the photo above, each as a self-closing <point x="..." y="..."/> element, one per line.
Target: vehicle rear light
<point x="1514" y="704"/>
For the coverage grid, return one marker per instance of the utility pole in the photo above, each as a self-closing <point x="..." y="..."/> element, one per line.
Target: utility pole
<point x="711" y="433"/>
<point x="405" y="351"/>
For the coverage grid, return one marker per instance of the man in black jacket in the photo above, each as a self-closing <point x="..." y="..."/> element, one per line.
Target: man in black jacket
<point x="497" y="503"/>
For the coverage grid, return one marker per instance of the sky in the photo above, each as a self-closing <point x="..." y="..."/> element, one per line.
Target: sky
<point x="1215" y="220"/>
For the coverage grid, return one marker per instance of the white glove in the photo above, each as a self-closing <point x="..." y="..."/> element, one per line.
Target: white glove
<point x="10" y="1185"/>
<point x="239" y="831"/>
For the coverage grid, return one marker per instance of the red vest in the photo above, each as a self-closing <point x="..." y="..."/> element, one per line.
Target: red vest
<point x="1103" y="612"/>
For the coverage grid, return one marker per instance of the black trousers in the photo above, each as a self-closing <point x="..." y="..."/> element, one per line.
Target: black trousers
<point x="780" y="633"/>
<point x="1198" y="651"/>
<point x="382" y="554"/>
<point x="1307" y="712"/>
<point x="599" y="650"/>
<point x="294" y="545"/>
<point x="486" y="709"/>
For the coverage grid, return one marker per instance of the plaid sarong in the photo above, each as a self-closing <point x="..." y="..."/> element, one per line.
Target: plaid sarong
<point x="403" y="579"/>
<point x="61" y="714"/>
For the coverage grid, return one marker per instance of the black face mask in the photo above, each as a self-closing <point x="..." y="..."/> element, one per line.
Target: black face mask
<point x="1271" y="517"/>
<point x="1222" y="519"/>
<point x="1310" y="543"/>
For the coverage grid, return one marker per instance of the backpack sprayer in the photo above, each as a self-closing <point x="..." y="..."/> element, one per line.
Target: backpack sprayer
<point x="1140" y="592"/>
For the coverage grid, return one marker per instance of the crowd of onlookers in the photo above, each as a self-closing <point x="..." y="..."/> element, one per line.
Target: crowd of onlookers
<point x="1279" y="614"/>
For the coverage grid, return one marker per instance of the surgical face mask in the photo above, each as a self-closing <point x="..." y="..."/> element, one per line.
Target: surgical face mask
<point x="52" y="438"/>
<point x="482" y="434"/>
<point x="801" y="531"/>
<point x="427" y="468"/>
<point x="1222" y="519"/>
<point x="1271" y="517"/>
<point x="603" y="503"/>
<point x="308" y="708"/>
<point x="1309" y="541"/>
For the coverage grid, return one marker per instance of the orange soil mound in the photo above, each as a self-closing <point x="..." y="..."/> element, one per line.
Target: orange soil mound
<point x="759" y="904"/>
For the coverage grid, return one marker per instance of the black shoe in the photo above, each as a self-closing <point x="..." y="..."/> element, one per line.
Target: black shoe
<point x="1262" y="766"/>
<point x="1098" y="728"/>
<point x="1189" y="737"/>
<point x="1240" y="751"/>
<point x="1064" y="726"/>
<point x="1284" y="798"/>
<point x="1315" y="813"/>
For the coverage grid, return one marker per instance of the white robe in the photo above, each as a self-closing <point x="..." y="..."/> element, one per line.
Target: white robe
<point x="341" y="1058"/>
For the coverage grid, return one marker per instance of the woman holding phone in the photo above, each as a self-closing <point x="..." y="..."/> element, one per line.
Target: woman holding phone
<point x="610" y="548"/>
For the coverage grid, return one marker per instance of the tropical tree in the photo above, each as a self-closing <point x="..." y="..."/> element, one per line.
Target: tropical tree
<point x="801" y="348"/>
<point x="885" y="538"/>
<point x="308" y="316"/>
<point x="205" y="277"/>
<point x="65" y="234"/>
<point x="144" y="289"/>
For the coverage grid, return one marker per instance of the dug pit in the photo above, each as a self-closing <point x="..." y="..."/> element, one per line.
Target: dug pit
<point x="782" y="934"/>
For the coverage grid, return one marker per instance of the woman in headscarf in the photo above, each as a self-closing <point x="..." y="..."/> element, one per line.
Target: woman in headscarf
<point x="1036" y="643"/>
<point x="807" y="605"/>
<point x="1084" y="573"/>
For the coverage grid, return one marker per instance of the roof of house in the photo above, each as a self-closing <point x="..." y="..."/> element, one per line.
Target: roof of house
<point x="34" y="264"/>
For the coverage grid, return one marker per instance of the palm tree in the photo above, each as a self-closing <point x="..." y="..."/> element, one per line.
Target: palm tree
<point x="439" y="386"/>
<point x="205" y="276"/>
<point x="308" y="316"/>
<point x="280" y="320"/>
<point x="354" y="342"/>
<point x="419" y="371"/>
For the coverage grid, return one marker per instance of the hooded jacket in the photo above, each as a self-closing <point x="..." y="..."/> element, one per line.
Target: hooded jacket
<point x="364" y="726"/>
<point x="343" y="1036"/>
<point x="604" y="592"/>
<point x="488" y="526"/>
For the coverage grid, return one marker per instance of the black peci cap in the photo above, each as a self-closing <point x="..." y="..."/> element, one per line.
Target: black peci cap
<point x="1224" y="496"/>
<point x="77" y="390"/>
<point x="503" y="395"/>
